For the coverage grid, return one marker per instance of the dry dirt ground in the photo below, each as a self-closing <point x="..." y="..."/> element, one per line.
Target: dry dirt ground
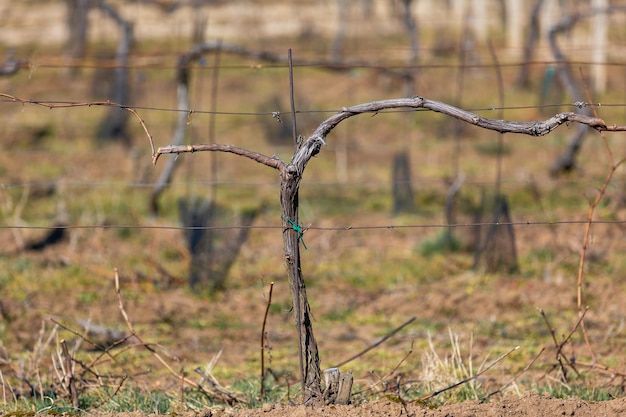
<point x="529" y="405"/>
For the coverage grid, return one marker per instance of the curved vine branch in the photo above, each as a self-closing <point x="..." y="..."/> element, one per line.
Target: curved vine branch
<point x="272" y="162"/>
<point x="312" y="145"/>
<point x="291" y="175"/>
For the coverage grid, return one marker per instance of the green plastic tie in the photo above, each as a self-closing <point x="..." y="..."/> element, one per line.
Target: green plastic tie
<point x="298" y="229"/>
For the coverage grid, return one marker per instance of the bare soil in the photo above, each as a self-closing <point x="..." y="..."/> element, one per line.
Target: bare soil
<point x="531" y="404"/>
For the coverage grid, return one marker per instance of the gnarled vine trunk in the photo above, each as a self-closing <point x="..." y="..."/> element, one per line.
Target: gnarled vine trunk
<point x="291" y="175"/>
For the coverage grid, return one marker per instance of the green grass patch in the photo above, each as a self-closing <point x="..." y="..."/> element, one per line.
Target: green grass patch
<point x="443" y="242"/>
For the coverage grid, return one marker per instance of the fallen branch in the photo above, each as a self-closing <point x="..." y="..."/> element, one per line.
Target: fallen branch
<point x="217" y="390"/>
<point x="382" y="379"/>
<point x="512" y="380"/>
<point x="378" y="343"/>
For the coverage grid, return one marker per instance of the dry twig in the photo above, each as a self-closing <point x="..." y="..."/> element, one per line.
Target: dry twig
<point x="560" y="345"/>
<point x="585" y="242"/>
<point x="264" y="339"/>
<point x="70" y="379"/>
<point x="466" y="380"/>
<point x="512" y="380"/>
<point x="55" y="105"/>
<point x="378" y="343"/>
<point x="145" y="345"/>
<point x="216" y="389"/>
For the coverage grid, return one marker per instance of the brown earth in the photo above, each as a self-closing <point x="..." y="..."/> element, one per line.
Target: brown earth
<point x="531" y="404"/>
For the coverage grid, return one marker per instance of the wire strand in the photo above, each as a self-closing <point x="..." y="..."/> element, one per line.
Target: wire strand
<point x="317" y="228"/>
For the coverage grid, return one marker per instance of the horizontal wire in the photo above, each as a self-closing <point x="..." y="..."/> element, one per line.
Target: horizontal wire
<point x="283" y="113"/>
<point x="112" y="64"/>
<point x="342" y="228"/>
<point x="311" y="227"/>
<point x="309" y="183"/>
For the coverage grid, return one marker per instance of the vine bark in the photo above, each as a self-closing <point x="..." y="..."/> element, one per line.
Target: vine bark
<point x="291" y="175"/>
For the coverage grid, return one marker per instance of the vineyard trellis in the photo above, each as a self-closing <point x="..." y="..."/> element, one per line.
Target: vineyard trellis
<point x="291" y="175"/>
<point x="292" y="171"/>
